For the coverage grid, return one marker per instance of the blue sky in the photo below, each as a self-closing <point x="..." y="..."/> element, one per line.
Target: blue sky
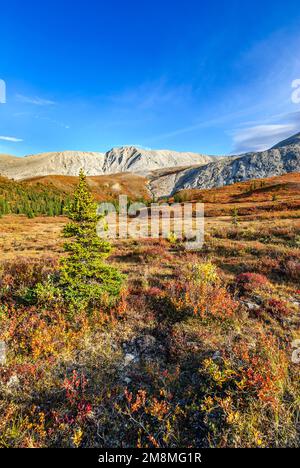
<point x="211" y="77"/>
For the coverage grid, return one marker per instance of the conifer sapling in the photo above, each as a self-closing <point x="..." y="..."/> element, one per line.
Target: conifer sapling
<point x="86" y="280"/>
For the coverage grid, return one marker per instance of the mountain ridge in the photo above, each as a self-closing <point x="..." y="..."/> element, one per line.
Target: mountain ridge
<point x="167" y="171"/>
<point x="293" y="140"/>
<point x="281" y="159"/>
<point x="123" y="159"/>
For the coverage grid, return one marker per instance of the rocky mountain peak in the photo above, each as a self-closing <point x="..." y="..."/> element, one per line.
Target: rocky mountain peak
<point x="293" y="140"/>
<point x="168" y="171"/>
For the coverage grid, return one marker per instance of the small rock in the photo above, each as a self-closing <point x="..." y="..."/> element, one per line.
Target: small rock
<point x="2" y="353"/>
<point x="217" y="355"/>
<point x="258" y="299"/>
<point x="128" y="358"/>
<point x="13" y="382"/>
<point x="251" y="305"/>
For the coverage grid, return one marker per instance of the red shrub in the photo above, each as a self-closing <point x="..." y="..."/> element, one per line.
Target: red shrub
<point x="277" y="308"/>
<point x="264" y="369"/>
<point x="154" y="292"/>
<point x="25" y="273"/>
<point x="75" y="387"/>
<point x="247" y="282"/>
<point x="156" y="253"/>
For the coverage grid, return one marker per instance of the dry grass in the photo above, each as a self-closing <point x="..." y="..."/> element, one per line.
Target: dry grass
<point x="193" y="355"/>
<point x="106" y="187"/>
<point x="20" y="236"/>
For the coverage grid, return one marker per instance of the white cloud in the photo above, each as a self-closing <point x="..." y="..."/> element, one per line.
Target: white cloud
<point x="37" y="101"/>
<point x="9" y="138"/>
<point x="261" y="137"/>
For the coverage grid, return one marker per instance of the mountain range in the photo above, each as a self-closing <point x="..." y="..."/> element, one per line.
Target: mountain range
<point x="281" y="159"/>
<point x="167" y="171"/>
<point x="124" y="159"/>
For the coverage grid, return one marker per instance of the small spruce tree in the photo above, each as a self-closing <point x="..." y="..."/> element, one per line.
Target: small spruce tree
<point x="85" y="279"/>
<point x="235" y="216"/>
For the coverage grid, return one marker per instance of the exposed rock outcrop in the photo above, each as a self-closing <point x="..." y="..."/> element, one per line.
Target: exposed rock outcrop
<point x="281" y="159"/>
<point x="124" y="159"/>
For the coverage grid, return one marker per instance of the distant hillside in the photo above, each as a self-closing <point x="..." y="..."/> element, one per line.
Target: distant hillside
<point x="281" y="159"/>
<point x="287" y="185"/>
<point x="117" y="160"/>
<point x="274" y="194"/>
<point x="105" y="187"/>
<point x="49" y="195"/>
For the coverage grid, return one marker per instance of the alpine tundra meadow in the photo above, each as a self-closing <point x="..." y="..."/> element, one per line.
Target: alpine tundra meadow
<point x="149" y="298"/>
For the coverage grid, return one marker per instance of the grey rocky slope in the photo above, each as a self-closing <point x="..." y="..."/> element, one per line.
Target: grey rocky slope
<point x="131" y="159"/>
<point x="168" y="171"/>
<point x="61" y="163"/>
<point x="124" y="159"/>
<point x="281" y="159"/>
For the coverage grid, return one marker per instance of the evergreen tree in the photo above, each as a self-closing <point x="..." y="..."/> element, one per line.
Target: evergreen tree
<point x="86" y="280"/>
<point x="235" y="216"/>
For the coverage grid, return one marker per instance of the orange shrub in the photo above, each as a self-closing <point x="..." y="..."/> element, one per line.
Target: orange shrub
<point x="202" y="300"/>
<point x="264" y="369"/>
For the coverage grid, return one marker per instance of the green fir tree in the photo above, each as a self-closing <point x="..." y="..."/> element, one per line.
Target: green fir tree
<point x="86" y="279"/>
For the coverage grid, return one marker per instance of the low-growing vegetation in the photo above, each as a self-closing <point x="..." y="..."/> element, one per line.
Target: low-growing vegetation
<point x="194" y="349"/>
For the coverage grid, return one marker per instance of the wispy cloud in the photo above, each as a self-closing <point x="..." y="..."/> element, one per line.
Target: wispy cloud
<point x="37" y="101"/>
<point x="152" y="96"/>
<point x="206" y="123"/>
<point x="256" y="101"/>
<point x="9" y="138"/>
<point x="261" y="137"/>
<point x="52" y="121"/>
